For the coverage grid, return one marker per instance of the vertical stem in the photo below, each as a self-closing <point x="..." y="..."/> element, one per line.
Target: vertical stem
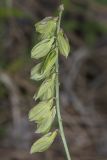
<point x="61" y="8"/>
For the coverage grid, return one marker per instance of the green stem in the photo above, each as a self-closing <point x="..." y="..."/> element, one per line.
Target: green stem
<point x="61" y="8"/>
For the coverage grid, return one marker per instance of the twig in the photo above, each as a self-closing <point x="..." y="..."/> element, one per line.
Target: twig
<point x="14" y="98"/>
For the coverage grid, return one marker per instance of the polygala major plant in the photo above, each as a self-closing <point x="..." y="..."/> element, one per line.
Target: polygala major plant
<point x="52" y="41"/>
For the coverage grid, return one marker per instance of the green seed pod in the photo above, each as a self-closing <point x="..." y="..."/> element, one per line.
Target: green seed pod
<point x="48" y="83"/>
<point x="49" y="94"/>
<point x="42" y="48"/>
<point x="49" y="62"/>
<point x="36" y="72"/>
<point x="45" y="125"/>
<point x="40" y="111"/>
<point x="46" y="26"/>
<point x="63" y="44"/>
<point x="43" y="143"/>
<point x="42" y="70"/>
<point x="50" y="90"/>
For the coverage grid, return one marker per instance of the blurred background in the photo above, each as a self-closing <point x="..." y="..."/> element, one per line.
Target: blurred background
<point x="83" y="76"/>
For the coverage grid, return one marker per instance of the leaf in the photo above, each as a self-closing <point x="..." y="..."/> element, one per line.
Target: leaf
<point x="45" y="125"/>
<point x="40" y="111"/>
<point x="42" y="48"/>
<point x="63" y="44"/>
<point x="43" y="143"/>
<point x="45" y="86"/>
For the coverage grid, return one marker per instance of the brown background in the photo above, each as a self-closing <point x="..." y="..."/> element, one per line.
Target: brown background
<point x="83" y="109"/>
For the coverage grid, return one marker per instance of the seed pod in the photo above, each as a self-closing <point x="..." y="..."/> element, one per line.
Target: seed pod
<point x="50" y="90"/>
<point x="36" y="72"/>
<point x="63" y="44"/>
<point x="43" y="143"/>
<point x="49" y="62"/>
<point x="45" y="125"/>
<point x="42" y="70"/>
<point x="49" y="94"/>
<point x="44" y="87"/>
<point x="40" y="111"/>
<point x="42" y="48"/>
<point x="41" y="25"/>
<point x="46" y="26"/>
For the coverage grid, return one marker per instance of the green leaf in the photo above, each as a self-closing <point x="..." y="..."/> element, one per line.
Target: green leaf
<point x="63" y="44"/>
<point x="43" y="143"/>
<point x="40" y="111"/>
<point x="42" y="48"/>
<point x="45" y="125"/>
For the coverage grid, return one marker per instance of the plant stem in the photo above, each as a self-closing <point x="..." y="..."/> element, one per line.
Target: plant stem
<point x="61" y="8"/>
